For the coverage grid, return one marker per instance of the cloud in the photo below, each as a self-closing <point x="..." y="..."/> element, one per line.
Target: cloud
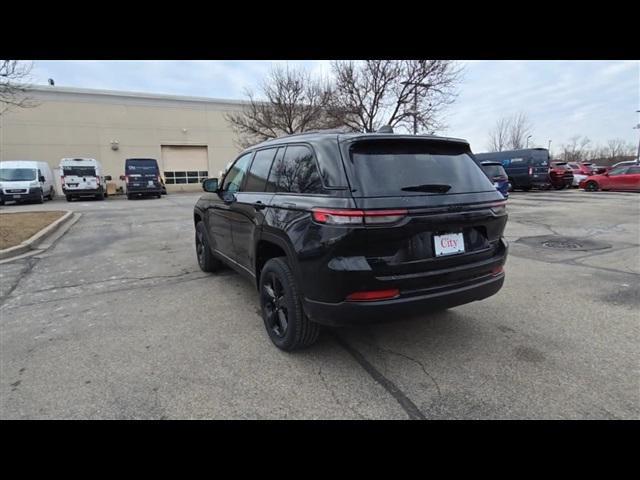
<point x="561" y="98"/>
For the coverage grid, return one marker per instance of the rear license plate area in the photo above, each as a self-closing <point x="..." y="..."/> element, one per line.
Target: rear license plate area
<point x="448" y="244"/>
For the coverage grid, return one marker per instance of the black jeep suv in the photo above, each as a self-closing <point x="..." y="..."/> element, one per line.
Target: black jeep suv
<point x="339" y="228"/>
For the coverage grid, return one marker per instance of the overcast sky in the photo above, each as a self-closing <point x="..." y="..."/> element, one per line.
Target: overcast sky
<point x="597" y="99"/>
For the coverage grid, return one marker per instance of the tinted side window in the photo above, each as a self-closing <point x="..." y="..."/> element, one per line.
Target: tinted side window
<point x="633" y="170"/>
<point x="618" y="171"/>
<point x="259" y="171"/>
<point x="233" y="179"/>
<point x="296" y="172"/>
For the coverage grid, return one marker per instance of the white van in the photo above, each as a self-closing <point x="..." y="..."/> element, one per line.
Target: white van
<point x="83" y="177"/>
<point x="25" y="180"/>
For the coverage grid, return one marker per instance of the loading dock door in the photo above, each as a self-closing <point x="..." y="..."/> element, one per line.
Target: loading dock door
<point x="184" y="167"/>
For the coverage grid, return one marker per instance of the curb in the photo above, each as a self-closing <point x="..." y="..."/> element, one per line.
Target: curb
<point x="35" y="240"/>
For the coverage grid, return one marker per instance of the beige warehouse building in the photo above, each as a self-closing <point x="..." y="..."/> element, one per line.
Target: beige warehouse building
<point x="189" y="136"/>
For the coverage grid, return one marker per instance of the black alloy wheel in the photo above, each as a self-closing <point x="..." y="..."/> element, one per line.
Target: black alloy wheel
<point x="206" y="261"/>
<point x="281" y="303"/>
<point x="274" y="301"/>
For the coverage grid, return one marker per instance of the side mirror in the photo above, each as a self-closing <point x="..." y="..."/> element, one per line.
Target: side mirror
<point x="42" y="179"/>
<point x="107" y="178"/>
<point x="210" y="185"/>
<point x="122" y="177"/>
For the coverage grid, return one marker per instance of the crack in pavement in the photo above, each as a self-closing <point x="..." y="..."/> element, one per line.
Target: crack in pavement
<point x="403" y="355"/>
<point x="333" y="394"/>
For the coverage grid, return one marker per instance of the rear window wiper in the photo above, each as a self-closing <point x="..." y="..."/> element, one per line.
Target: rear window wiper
<point x="432" y="188"/>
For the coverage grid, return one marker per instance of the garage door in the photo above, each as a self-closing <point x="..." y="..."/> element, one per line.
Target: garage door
<point x="185" y="167"/>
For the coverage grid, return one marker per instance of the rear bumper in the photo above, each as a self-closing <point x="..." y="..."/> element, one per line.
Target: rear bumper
<point x="86" y="191"/>
<point x="144" y="190"/>
<point x="353" y="313"/>
<point x="537" y="180"/>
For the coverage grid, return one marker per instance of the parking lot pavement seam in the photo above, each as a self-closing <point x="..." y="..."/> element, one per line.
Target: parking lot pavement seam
<point x="30" y="262"/>
<point x="97" y="282"/>
<point x="573" y="263"/>
<point x="103" y="292"/>
<point x="604" y="269"/>
<point x="605" y="252"/>
<point x="410" y="408"/>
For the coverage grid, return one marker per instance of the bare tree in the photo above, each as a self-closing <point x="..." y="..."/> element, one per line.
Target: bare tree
<point x="618" y="147"/>
<point x="13" y="85"/>
<point x="499" y="136"/>
<point x="519" y="129"/>
<point x="577" y="150"/>
<point x="400" y="93"/>
<point x="291" y="102"/>
<point x="596" y="153"/>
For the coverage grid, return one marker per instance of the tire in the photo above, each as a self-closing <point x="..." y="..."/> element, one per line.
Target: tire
<point x="100" y="196"/>
<point x="51" y="194"/>
<point x="280" y="302"/>
<point x="129" y="196"/>
<point x="41" y="198"/>
<point x="526" y="189"/>
<point x="591" y="187"/>
<point x="68" y="197"/>
<point x="206" y="261"/>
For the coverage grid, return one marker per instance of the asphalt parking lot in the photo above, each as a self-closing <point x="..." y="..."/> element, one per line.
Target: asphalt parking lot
<point x="116" y="321"/>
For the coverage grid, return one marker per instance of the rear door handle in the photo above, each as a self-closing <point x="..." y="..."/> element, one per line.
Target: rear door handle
<point x="259" y="205"/>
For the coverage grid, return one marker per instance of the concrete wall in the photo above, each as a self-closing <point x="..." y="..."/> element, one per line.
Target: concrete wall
<point x="80" y="122"/>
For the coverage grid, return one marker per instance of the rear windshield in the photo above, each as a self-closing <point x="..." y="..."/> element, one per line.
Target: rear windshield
<point x="17" y="174"/>
<point x="393" y="168"/>
<point x="494" y="171"/>
<point x="141" y="166"/>
<point x="79" y="171"/>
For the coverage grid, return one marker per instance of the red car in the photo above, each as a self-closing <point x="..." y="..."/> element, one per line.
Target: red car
<point x="624" y="177"/>
<point x="581" y="170"/>
<point x="560" y="175"/>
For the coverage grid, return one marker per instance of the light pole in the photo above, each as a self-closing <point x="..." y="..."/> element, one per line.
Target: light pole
<point x="549" y="146"/>
<point x="528" y="140"/>
<point x="415" y="102"/>
<point x="637" y="127"/>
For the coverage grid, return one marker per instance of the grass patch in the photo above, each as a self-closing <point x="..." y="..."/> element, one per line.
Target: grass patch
<point x="15" y="228"/>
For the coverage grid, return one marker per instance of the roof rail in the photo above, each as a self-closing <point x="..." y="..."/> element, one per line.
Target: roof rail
<point x="307" y="132"/>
